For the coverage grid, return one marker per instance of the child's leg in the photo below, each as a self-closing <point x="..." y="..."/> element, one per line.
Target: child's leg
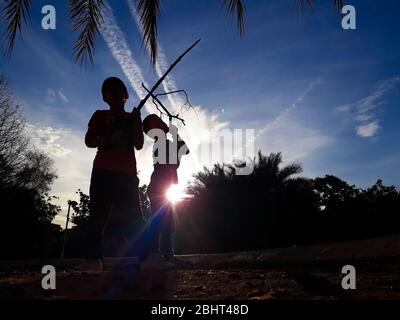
<point x="167" y="232"/>
<point x="167" y="244"/>
<point x="131" y="226"/>
<point x="100" y="205"/>
<point x="153" y="226"/>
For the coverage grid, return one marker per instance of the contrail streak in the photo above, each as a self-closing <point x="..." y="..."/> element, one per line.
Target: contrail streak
<point x="161" y="64"/>
<point x="285" y="112"/>
<point x="116" y="42"/>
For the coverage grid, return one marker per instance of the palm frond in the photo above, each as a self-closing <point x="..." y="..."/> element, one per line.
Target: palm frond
<point x="289" y="170"/>
<point x="86" y="16"/>
<point x="15" y="14"/>
<point x="149" y="11"/>
<point x="237" y="8"/>
<point x="337" y="4"/>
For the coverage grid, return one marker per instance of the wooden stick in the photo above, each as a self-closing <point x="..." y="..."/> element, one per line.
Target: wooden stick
<point x="170" y="116"/>
<point x="154" y="88"/>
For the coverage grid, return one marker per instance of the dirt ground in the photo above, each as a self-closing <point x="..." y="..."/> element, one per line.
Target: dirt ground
<point x="377" y="278"/>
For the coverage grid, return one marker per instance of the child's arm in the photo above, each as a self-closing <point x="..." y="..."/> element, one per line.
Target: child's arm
<point x="138" y="137"/>
<point x="92" y="137"/>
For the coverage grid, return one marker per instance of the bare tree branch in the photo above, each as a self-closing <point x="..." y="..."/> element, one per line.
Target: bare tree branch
<point x="169" y="114"/>
<point x="162" y="78"/>
<point x="187" y="103"/>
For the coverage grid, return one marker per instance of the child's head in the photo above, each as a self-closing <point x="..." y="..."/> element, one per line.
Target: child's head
<point x="153" y="121"/>
<point x="114" y="92"/>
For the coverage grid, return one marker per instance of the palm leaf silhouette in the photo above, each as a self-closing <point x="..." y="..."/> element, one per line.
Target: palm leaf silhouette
<point x="15" y="14"/>
<point x="86" y="16"/>
<point x="337" y="4"/>
<point x="149" y="11"/>
<point x="238" y="9"/>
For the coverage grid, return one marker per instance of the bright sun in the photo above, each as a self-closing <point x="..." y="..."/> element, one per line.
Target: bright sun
<point x="175" y="193"/>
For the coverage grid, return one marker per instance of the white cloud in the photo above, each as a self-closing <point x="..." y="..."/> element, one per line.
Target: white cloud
<point x="53" y="96"/>
<point x="72" y="160"/>
<point x="345" y="108"/>
<point x="363" y="110"/>
<point x="363" y="117"/>
<point x="48" y="140"/>
<point x="368" y="130"/>
<point x="62" y="96"/>
<point x="374" y="99"/>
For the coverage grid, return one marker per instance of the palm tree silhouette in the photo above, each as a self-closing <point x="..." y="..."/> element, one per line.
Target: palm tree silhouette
<point x="269" y="168"/>
<point x="87" y="16"/>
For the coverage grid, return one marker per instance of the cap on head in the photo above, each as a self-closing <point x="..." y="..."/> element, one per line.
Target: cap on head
<point x="153" y="121"/>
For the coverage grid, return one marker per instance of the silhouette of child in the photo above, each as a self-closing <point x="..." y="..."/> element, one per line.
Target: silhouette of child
<point x="114" y="182"/>
<point x="166" y="159"/>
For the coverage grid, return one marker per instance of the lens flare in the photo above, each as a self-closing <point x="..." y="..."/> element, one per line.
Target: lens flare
<point x="175" y="193"/>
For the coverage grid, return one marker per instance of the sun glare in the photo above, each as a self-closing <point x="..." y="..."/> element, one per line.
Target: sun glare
<point x="175" y="193"/>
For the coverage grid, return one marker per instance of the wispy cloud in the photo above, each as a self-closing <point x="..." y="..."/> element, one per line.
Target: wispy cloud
<point x="53" y="96"/>
<point x="363" y="110"/>
<point x="286" y="134"/>
<point x="48" y="140"/>
<point x="275" y="122"/>
<point x="374" y="100"/>
<point x="62" y="96"/>
<point x="368" y="130"/>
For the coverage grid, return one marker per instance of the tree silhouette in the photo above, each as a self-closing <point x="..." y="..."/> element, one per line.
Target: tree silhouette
<point x="237" y="211"/>
<point x="274" y="207"/>
<point x="81" y="210"/>
<point x="26" y="175"/>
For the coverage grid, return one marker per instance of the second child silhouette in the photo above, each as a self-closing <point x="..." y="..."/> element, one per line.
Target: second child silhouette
<point x="166" y="159"/>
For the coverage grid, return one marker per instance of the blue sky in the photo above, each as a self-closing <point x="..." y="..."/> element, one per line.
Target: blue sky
<point x="324" y="96"/>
